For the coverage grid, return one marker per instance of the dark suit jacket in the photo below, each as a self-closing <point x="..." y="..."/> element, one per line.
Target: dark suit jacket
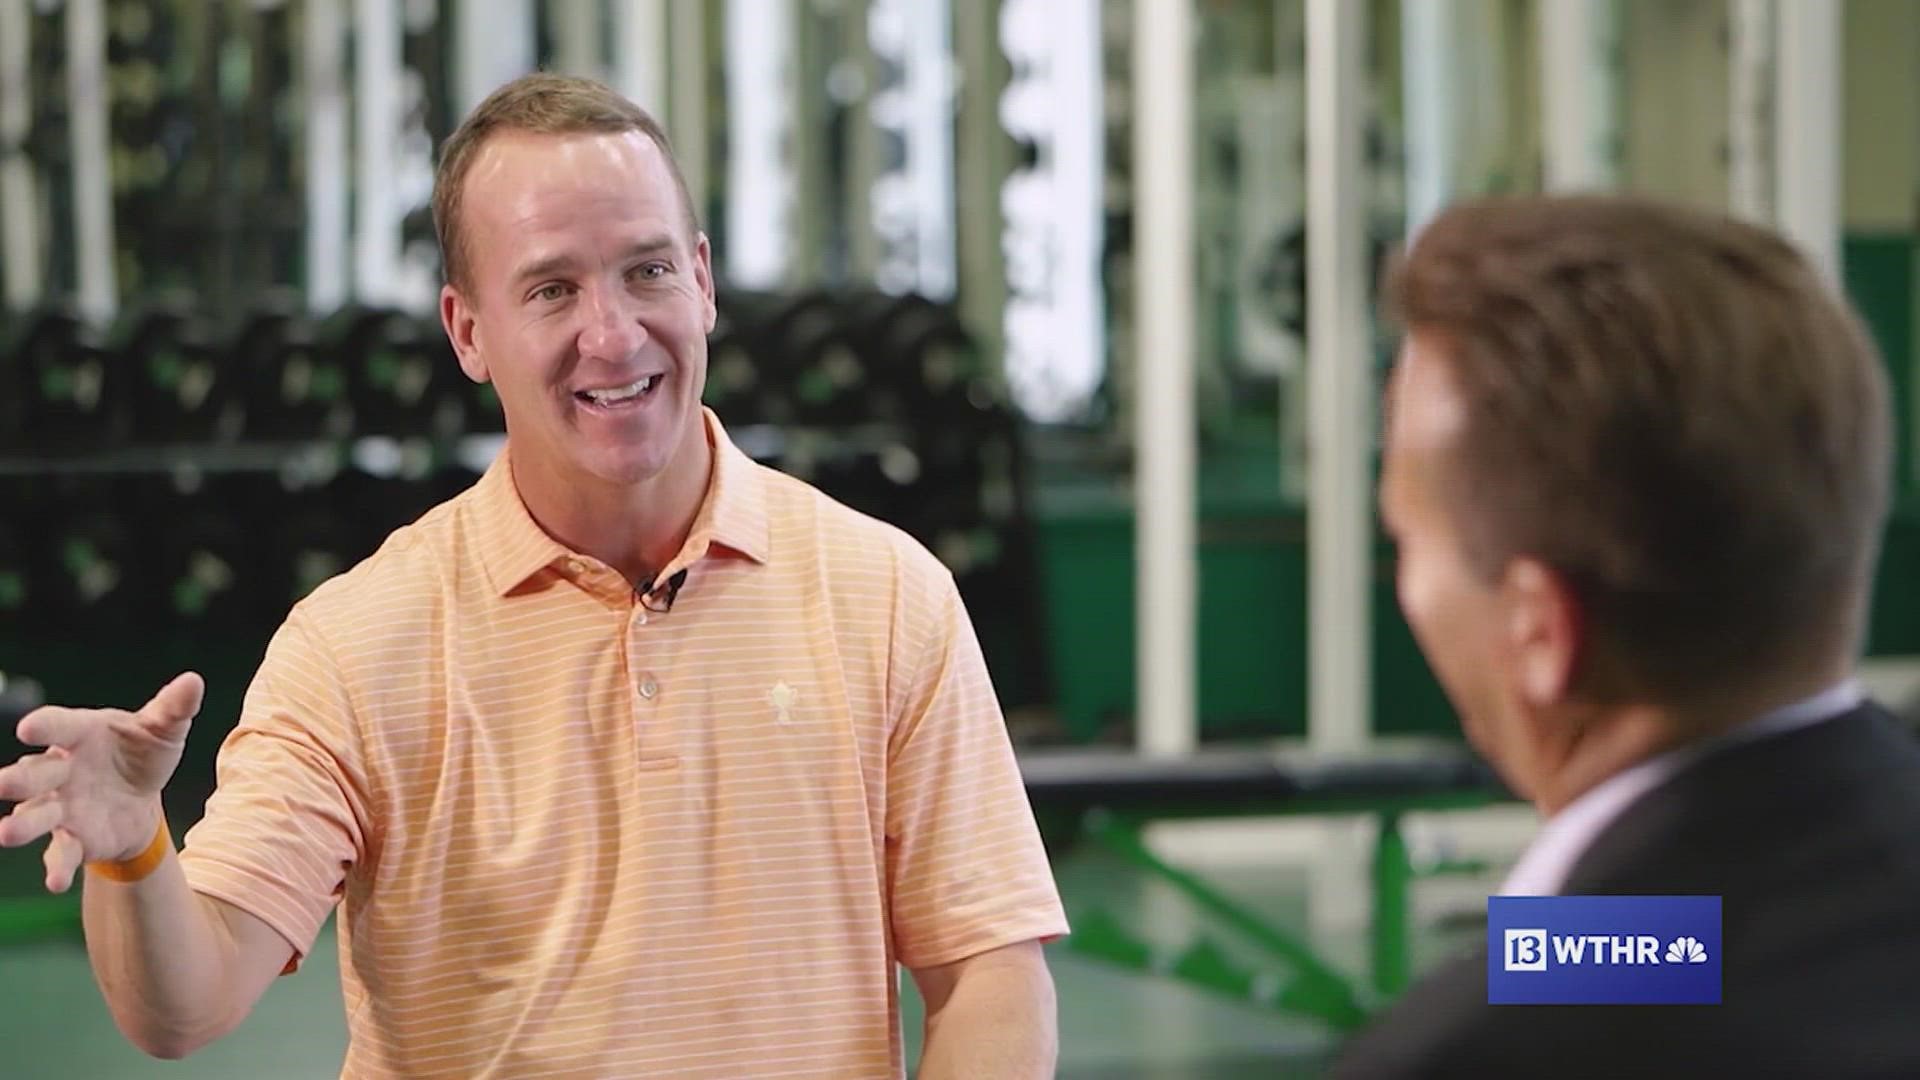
<point x="1812" y="839"/>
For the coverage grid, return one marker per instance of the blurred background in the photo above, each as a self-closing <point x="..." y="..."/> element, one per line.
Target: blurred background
<point x="1079" y="293"/>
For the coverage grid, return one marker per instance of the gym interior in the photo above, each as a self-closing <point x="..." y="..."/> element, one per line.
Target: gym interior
<point x="1080" y="294"/>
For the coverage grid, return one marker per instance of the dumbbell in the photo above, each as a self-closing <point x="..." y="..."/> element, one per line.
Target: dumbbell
<point x="72" y="394"/>
<point x="19" y="519"/>
<point x="180" y="385"/>
<point x="290" y="389"/>
<point x="314" y="537"/>
<point x="202" y="570"/>
<point x="88" y="557"/>
<point x="402" y="378"/>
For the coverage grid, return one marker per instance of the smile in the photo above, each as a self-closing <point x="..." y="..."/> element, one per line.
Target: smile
<point x="616" y="395"/>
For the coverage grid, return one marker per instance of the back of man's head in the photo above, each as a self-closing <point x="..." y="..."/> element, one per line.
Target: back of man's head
<point x="1674" y="411"/>
<point x="540" y="103"/>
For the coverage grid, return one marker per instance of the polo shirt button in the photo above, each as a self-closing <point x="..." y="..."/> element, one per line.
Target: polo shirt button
<point x="648" y="688"/>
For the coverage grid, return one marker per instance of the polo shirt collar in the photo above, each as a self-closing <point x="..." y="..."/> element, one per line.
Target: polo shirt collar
<point x="513" y="547"/>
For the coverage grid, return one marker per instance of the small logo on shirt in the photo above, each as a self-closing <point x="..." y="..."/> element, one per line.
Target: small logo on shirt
<point x="782" y="698"/>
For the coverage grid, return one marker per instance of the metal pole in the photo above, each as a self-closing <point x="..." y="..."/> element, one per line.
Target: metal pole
<point x="1807" y="95"/>
<point x="377" y="211"/>
<point x="1339" y="386"/>
<point x="1165" y="594"/>
<point x="640" y="55"/>
<point x="980" y="172"/>
<point x="92" y="162"/>
<point x="19" y="201"/>
<point x="1430" y="96"/>
<point x="1750" y="109"/>
<point x="762" y="177"/>
<point x="579" y="44"/>
<point x="687" y="97"/>
<point x="493" y="44"/>
<point x="1576" y="91"/>
<point x="324" y="86"/>
<point x="912" y="207"/>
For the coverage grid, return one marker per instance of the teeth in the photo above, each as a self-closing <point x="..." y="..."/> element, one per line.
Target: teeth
<point x="622" y="393"/>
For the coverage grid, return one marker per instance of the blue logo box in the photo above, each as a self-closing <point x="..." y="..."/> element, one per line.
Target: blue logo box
<point x="1603" y="950"/>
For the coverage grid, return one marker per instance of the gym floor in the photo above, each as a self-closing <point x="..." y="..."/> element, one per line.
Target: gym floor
<point x="1113" y="1025"/>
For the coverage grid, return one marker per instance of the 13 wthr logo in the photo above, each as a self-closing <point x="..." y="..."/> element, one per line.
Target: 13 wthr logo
<point x="1599" y="950"/>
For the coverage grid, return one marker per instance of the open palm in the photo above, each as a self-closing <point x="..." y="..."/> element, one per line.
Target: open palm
<point x="96" y="787"/>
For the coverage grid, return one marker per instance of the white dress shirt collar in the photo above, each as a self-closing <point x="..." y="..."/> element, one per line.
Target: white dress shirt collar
<point x="1543" y="868"/>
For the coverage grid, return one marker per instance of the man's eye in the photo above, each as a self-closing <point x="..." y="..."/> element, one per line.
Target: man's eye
<point x="550" y="292"/>
<point x="652" y="271"/>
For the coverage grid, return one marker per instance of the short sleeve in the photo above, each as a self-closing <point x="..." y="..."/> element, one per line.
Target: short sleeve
<point x="966" y="868"/>
<point x="287" y="819"/>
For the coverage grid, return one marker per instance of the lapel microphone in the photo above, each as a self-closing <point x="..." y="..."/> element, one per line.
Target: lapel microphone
<point x="649" y="591"/>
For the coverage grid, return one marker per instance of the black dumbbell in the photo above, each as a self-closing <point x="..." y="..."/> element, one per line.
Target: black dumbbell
<point x="402" y="378"/>
<point x="290" y="388"/>
<point x="203" y="569"/>
<point x="72" y="393"/>
<point x="316" y="537"/>
<point x="89" y="556"/>
<point x="182" y="388"/>
<point x="19" y="521"/>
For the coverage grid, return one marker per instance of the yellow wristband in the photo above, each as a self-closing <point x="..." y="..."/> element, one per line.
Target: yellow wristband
<point x="140" y="865"/>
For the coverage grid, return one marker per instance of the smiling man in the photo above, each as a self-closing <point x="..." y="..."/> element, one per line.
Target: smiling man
<point x="635" y="759"/>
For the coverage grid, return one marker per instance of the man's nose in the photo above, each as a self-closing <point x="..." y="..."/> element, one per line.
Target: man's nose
<point x="611" y="327"/>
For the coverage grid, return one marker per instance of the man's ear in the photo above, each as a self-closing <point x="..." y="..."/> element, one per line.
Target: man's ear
<point x="456" y="314"/>
<point x="1545" y="631"/>
<point x="703" y="276"/>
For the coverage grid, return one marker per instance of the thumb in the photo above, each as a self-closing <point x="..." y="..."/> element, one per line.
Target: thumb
<point x="177" y="702"/>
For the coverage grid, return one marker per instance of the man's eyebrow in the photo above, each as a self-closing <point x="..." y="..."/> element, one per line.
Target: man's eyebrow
<point x="553" y="264"/>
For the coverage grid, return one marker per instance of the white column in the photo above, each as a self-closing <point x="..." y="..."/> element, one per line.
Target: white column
<point x="1807" y="129"/>
<point x="1431" y="99"/>
<point x="1053" y="212"/>
<point x="762" y="177"/>
<point x="1750" y="118"/>
<point x="640" y="55"/>
<point x="324" y="88"/>
<point x="1164" y="434"/>
<point x="19" y="199"/>
<point x="913" y="205"/>
<point x="377" y="209"/>
<point x="579" y="46"/>
<point x="1577" y="110"/>
<point x="687" y="83"/>
<point x="1339" y="386"/>
<point x="493" y="44"/>
<point x="92" y="160"/>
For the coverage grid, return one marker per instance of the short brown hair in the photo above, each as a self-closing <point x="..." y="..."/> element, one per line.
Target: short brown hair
<point x="545" y="104"/>
<point x="1670" y="407"/>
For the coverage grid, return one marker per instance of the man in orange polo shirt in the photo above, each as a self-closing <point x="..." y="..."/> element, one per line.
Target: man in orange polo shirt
<point x="637" y="758"/>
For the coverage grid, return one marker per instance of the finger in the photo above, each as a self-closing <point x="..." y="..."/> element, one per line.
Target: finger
<point x="176" y="703"/>
<point x="55" y="725"/>
<point x="62" y="860"/>
<point x="30" y="821"/>
<point x="34" y="775"/>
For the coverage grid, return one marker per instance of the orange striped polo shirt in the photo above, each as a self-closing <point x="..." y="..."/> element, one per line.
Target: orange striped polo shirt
<point x="574" y="837"/>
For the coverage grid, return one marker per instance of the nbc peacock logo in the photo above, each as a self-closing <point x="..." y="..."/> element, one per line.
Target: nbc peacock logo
<point x="1686" y="950"/>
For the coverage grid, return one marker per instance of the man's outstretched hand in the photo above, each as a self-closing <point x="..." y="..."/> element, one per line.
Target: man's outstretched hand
<point x="96" y="787"/>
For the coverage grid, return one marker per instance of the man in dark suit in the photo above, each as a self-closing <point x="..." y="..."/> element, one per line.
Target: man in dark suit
<point x="1636" y="467"/>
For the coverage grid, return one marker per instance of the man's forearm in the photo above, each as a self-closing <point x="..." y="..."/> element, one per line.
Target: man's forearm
<point x="1000" y="1023"/>
<point x="162" y="959"/>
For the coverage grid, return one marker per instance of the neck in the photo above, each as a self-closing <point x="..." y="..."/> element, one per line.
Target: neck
<point x="637" y="528"/>
<point x="1605" y="741"/>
